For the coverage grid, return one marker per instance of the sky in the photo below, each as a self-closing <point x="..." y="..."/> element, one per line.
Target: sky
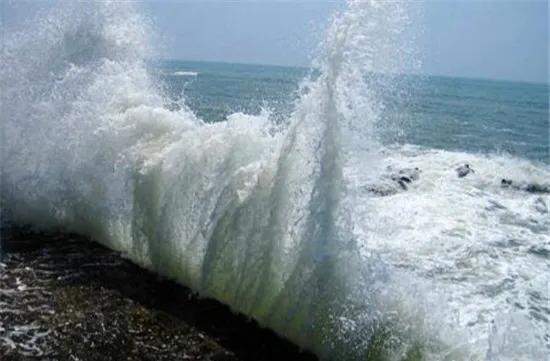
<point x="487" y="39"/>
<point x="477" y="38"/>
<point x="496" y="39"/>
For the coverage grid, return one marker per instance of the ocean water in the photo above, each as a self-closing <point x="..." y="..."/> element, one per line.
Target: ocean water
<point x="324" y="204"/>
<point x="455" y="114"/>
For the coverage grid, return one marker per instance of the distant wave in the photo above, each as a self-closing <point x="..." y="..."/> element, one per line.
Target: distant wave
<point x="185" y="73"/>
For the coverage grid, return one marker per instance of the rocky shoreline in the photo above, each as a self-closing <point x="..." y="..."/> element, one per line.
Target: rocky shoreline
<point x="63" y="297"/>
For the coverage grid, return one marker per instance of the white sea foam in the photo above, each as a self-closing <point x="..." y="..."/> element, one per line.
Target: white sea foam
<point x="273" y="222"/>
<point x="482" y="245"/>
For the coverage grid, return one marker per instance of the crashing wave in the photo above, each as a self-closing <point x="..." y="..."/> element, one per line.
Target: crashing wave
<point x="258" y="217"/>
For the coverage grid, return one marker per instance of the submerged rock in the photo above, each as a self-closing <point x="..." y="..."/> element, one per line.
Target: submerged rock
<point x="394" y="182"/>
<point x="537" y="188"/>
<point x="406" y="176"/>
<point x="506" y="182"/>
<point x="382" y="190"/>
<point x="464" y="170"/>
<point x="527" y="187"/>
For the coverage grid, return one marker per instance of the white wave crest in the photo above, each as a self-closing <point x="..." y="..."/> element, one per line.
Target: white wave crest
<point x="185" y="73"/>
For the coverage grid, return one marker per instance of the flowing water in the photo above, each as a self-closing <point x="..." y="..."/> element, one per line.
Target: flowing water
<point x="274" y="189"/>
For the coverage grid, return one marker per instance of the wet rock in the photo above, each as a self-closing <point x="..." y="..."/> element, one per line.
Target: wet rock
<point x="66" y="298"/>
<point x="222" y="356"/>
<point x="527" y="187"/>
<point x="464" y="170"/>
<point x="406" y="176"/>
<point x="506" y="182"/>
<point x="381" y="190"/>
<point x="394" y="182"/>
<point x="537" y="188"/>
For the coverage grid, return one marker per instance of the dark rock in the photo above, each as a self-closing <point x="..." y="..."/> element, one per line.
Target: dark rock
<point x="406" y="175"/>
<point x="381" y="189"/>
<point x="78" y="300"/>
<point x="394" y="182"/>
<point x="464" y="170"/>
<point x="222" y="356"/>
<point x="506" y="182"/>
<point x="529" y="187"/>
<point x="537" y="188"/>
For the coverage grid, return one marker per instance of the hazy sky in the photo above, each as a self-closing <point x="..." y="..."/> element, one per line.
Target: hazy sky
<point x="498" y="39"/>
<point x="484" y="39"/>
<point x="487" y="39"/>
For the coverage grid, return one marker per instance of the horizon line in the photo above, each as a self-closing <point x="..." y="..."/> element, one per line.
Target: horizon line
<point x="547" y="83"/>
